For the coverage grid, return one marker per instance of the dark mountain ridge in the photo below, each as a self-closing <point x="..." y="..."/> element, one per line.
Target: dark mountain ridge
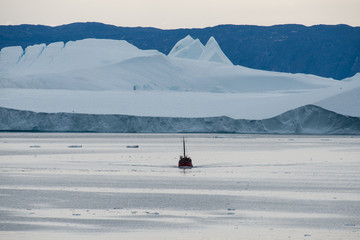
<point x="323" y="50"/>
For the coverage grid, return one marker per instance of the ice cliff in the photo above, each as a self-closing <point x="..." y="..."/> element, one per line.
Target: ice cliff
<point x="308" y="119"/>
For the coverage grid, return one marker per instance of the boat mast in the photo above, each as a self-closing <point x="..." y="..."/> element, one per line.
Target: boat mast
<point x="184" y="146"/>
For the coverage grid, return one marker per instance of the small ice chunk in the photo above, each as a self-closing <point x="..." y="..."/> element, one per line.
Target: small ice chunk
<point x="34" y="146"/>
<point x="75" y="146"/>
<point x="132" y="146"/>
<point x="153" y="213"/>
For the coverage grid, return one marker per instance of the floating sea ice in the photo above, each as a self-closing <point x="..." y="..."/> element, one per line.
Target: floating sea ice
<point x="75" y="146"/>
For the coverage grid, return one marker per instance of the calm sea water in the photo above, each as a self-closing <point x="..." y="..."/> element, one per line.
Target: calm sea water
<point x="77" y="185"/>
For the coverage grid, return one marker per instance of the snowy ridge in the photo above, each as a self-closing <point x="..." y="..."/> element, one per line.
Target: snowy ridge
<point x="309" y="119"/>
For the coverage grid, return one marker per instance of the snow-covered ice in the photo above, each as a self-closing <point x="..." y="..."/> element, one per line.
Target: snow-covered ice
<point x="212" y="52"/>
<point x="105" y="73"/>
<point x="99" y="76"/>
<point x="94" y="64"/>
<point x="342" y="98"/>
<point x="308" y="119"/>
<point x="187" y="48"/>
<point x="242" y="186"/>
<point x="190" y="48"/>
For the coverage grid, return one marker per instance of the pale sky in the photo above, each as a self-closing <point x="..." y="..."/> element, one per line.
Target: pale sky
<point x="170" y="14"/>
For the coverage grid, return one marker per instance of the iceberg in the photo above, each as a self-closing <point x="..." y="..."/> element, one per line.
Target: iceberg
<point x="74" y="55"/>
<point x="187" y="48"/>
<point x="308" y="119"/>
<point x="190" y="48"/>
<point x="114" y="78"/>
<point x="100" y="64"/>
<point x="212" y="52"/>
<point x="9" y="57"/>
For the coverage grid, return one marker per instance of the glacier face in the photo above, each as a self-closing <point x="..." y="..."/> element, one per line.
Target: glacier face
<point x="308" y="119"/>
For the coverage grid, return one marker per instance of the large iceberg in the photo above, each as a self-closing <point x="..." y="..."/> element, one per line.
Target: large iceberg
<point x="308" y="119"/>
<point x="100" y="64"/>
<point x="113" y="77"/>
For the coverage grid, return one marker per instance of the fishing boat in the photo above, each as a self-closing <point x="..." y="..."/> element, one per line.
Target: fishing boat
<point x="185" y="161"/>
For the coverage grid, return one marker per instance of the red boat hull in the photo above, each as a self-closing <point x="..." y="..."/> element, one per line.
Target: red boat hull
<point x="185" y="163"/>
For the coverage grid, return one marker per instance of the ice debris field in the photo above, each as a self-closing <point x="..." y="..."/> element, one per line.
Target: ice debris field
<point x="253" y="187"/>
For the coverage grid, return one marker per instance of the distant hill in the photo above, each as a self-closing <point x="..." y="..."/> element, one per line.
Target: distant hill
<point x="324" y="50"/>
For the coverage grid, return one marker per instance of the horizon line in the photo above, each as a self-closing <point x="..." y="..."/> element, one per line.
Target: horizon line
<point x="221" y="24"/>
